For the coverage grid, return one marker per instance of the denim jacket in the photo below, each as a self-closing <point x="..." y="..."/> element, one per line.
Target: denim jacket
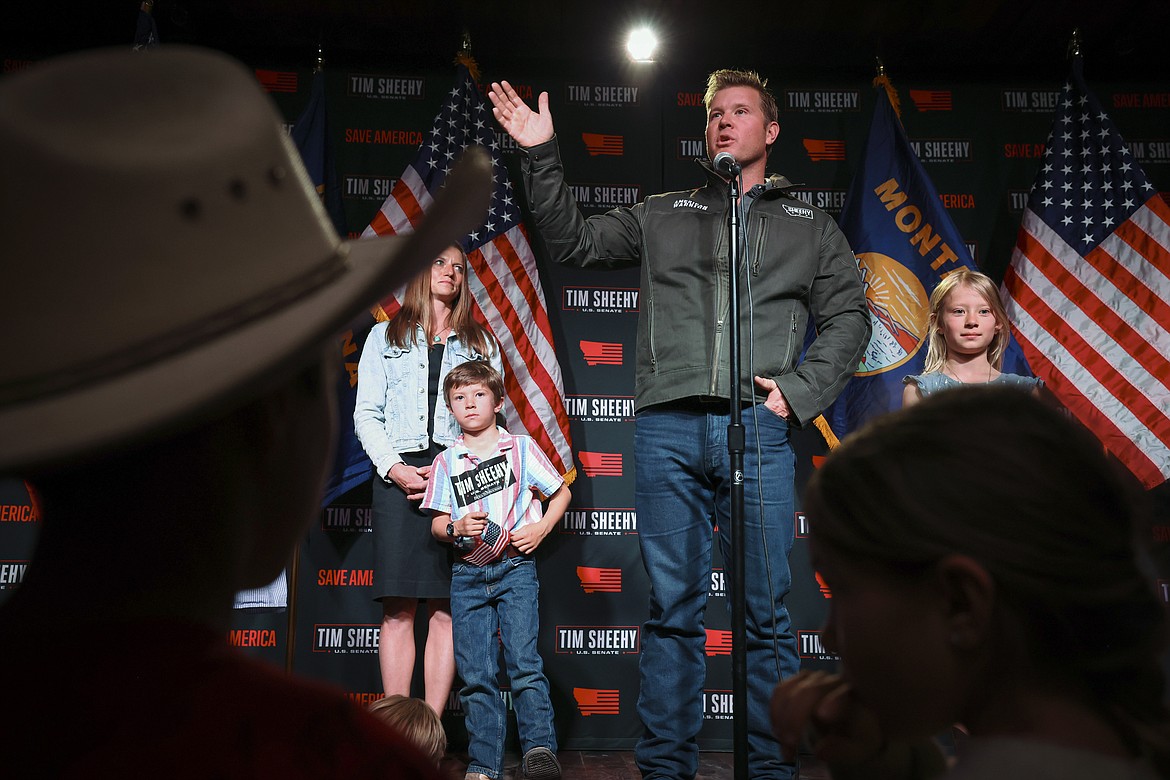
<point x="389" y="416"/>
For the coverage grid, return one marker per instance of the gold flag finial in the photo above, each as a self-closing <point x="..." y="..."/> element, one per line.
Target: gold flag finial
<point x="882" y="80"/>
<point x="1074" y="43"/>
<point x="464" y="56"/>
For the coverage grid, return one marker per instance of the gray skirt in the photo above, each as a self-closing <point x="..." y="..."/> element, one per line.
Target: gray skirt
<point x="408" y="561"/>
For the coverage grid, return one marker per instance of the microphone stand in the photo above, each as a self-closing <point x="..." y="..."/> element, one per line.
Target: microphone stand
<point x="735" y="450"/>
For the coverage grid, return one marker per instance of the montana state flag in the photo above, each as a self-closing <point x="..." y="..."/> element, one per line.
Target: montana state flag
<point x="905" y="244"/>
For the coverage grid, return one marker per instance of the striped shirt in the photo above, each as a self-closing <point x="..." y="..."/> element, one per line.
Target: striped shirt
<point x="508" y="485"/>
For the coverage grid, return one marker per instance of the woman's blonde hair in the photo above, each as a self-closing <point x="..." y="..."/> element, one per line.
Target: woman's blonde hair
<point x="416" y="312"/>
<point x="936" y="349"/>
<point x="415" y="720"/>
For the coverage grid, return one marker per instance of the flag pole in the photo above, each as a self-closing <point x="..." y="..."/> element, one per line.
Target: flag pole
<point x="295" y="564"/>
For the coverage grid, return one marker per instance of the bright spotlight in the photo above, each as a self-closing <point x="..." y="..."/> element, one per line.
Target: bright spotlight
<point x="641" y="44"/>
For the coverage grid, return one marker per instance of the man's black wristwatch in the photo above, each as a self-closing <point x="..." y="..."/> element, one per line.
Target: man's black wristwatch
<point x="451" y="530"/>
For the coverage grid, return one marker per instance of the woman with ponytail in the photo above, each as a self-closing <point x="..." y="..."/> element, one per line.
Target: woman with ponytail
<point x="982" y="556"/>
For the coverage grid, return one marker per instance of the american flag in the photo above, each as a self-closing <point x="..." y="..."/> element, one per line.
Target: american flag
<point x="504" y="280"/>
<point x="1088" y="290"/>
<point x="489" y="546"/>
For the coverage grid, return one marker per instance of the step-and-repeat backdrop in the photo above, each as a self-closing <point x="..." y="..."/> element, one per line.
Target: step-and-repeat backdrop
<point x="625" y="136"/>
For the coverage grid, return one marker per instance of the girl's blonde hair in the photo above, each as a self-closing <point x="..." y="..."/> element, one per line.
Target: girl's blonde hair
<point x="936" y="349"/>
<point x="415" y="720"/>
<point x="416" y="311"/>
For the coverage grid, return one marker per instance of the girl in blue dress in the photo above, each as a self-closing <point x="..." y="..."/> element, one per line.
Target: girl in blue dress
<point x="968" y="335"/>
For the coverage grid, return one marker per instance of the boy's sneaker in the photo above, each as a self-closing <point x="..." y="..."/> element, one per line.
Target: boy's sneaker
<point x="540" y="763"/>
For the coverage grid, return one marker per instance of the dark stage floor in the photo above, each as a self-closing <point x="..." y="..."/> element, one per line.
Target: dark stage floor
<point x="619" y="765"/>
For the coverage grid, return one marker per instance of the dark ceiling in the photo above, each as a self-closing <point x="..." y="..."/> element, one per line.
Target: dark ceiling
<point x="966" y="40"/>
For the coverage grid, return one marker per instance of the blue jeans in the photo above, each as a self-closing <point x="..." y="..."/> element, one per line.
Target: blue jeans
<point x="682" y="492"/>
<point x="503" y="595"/>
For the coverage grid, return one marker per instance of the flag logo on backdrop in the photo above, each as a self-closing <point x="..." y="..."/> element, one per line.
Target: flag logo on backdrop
<point x="718" y="642"/>
<point x="604" y="144"/>
<point x="596" y="579"/>
<point x="601" y="353"/>
<point x="601" y="464"/>
<point x="932" y="99"/>
<point x="1088" y="289"/>
<point x="597" y="701"/>
<point x="820" y="150"/>
<point x="277" y="80"/>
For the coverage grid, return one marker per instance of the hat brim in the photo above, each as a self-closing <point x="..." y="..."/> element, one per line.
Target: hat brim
<point x="199" y="383"/>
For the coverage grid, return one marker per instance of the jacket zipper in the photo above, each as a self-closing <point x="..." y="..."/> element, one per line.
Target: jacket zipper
<point x="758" y="246"/>
<point x="723" y="312"/>
<point x="791" y="338"/>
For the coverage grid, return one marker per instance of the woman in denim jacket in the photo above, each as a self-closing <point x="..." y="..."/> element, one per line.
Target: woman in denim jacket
<point x="402" y="427"/>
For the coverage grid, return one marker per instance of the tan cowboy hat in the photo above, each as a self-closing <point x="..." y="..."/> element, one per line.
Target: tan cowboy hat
<point x="164" y="255"/>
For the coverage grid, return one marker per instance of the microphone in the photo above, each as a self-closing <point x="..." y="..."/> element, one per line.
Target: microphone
<point x="726" y="165"/>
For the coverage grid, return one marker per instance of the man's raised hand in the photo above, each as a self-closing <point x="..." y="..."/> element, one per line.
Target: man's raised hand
<point x="518" y="120"/>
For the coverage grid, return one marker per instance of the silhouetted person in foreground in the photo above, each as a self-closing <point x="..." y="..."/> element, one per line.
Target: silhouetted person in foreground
<point x="981" y="554"/>
<point x="164" y="389"/>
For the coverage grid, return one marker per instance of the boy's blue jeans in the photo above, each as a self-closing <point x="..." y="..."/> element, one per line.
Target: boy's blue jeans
<point x="682" y="492"/>
<point x="503" y="595"/>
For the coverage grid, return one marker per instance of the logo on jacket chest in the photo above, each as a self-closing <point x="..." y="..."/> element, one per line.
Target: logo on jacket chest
<point x="798" y="211"/>
<point x="687" y="203"/>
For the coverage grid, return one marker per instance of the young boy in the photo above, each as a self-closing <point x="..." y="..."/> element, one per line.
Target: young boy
<point x="484" y="494"/>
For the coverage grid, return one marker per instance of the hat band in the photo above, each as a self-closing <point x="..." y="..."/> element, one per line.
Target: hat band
<point x="181" y="339"/>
